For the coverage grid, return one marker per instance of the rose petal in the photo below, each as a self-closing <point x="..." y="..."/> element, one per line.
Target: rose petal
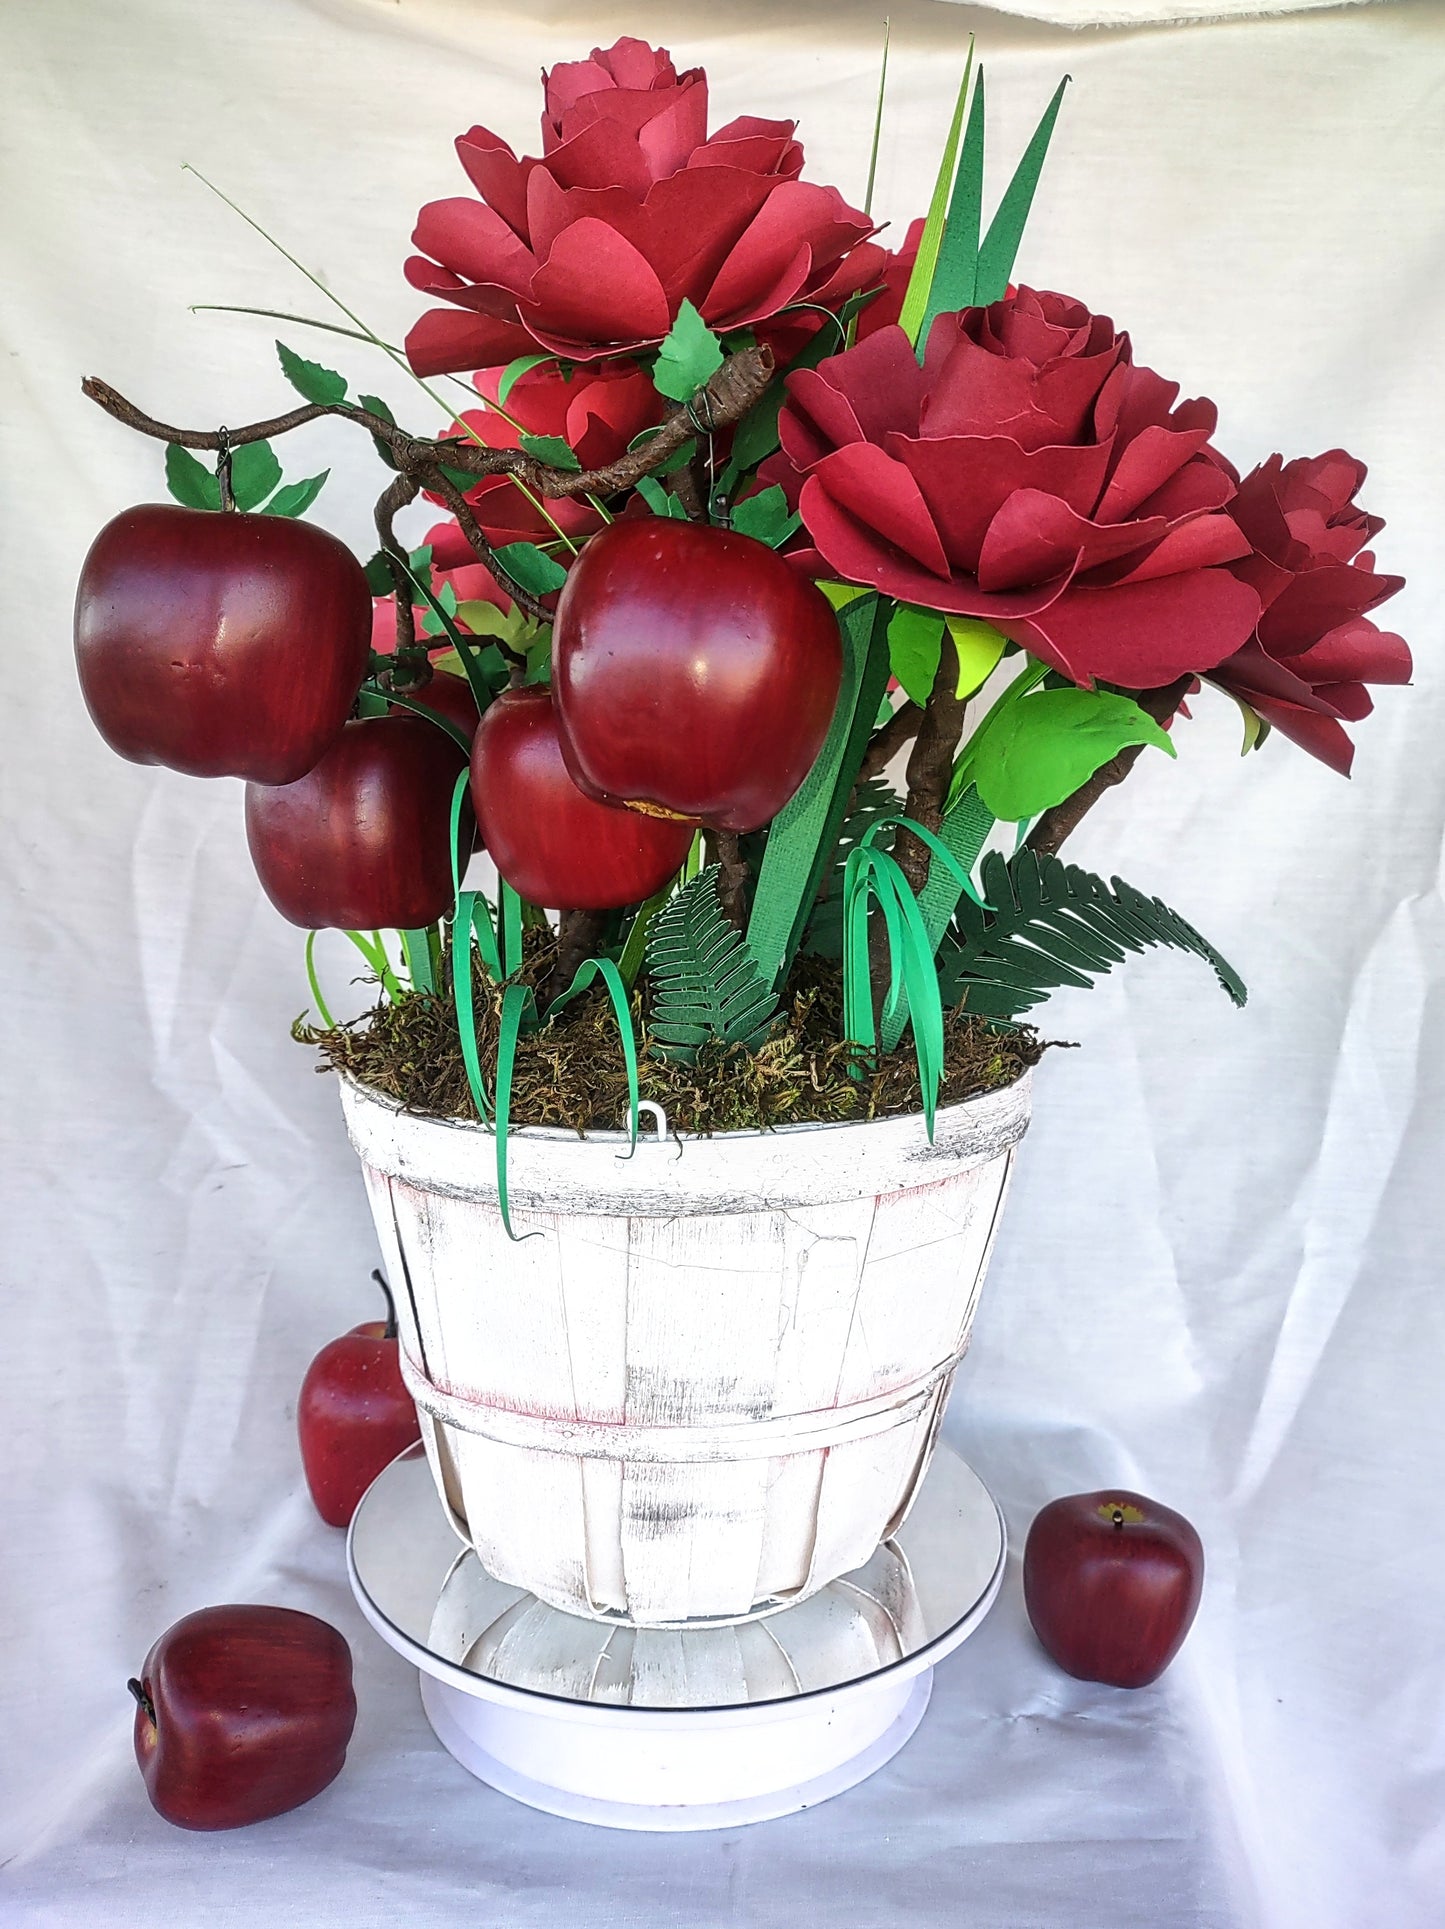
<point x="474" y="242"/>
<point x="1199" y="544"/>
<point x="966" y="480"/>
<point x="868" y="483"/>
<point x="447" y="340"/>
<point x="497" y="175"/>
<point x="1142" y="635"/>
<point x="1356" y="652"/>
<point x="595" y="291"/>
<point x="796" y="214"/>
<point x="1035" y="537"/>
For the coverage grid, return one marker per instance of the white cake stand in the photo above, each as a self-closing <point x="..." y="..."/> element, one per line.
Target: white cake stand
<point x="667" y="1729"/>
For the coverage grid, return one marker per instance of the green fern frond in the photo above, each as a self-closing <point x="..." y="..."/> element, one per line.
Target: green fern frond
<point x="704" y="982"/>
<point x="1051" y="924"/>
<point x="871" y="800"/>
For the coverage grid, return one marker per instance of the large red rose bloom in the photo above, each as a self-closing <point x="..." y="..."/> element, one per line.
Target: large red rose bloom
<point x="1306" y="666"/>
<point x="632" y="209"/>
<point x="1028" y="474"/>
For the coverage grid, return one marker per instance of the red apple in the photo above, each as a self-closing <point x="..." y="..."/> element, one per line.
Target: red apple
<point x="695" y="672"/>
<point x="242" y="1713"/>
<point x="364" y="839"/>
<point x="1111" y="1583"/>
<point x="223" y="645"/>
<point x="354" y="1415"/>
<point x="554" y="846"/>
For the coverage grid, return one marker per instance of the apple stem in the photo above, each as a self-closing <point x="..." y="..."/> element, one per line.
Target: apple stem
<point x="1118" y="1517"/>
<point x="223" y="468"/>
<point x="391" y="1327"/>
<point x="143" y="1700"/>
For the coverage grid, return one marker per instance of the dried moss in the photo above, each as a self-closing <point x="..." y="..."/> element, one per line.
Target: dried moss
<point x="572" y="1073"/>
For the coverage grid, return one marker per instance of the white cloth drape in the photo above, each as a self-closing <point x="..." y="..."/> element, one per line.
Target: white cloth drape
<point x="1220" y="1277"/>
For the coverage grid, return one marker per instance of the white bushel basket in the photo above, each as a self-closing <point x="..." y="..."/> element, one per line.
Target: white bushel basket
<point x="711" y="1380"/>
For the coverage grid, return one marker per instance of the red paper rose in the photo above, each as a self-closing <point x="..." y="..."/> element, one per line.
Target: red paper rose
<point x="1031" y="475"/>
<point x="1314" y="650"/>
<point x="632" y="208"/>
<point x="597" y="413"/>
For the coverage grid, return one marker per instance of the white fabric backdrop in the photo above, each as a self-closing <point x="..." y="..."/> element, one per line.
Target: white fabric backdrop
<point x="1220" y="1280"/>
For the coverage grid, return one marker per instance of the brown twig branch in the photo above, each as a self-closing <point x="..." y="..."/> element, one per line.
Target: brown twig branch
<point x="732" y="883"/>
<point x="885" y="744"/>
<point x="579" y="937"/>
<point x="930" y="767"/>
<point x="399" y="492"/>
<point x="1057" y="824"/>
<point x="455" y="501"/>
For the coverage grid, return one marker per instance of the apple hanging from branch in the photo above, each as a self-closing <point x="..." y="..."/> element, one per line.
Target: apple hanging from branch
<point x="363" y="840"/>
<point x="553" y="845"/>
<point x="695" y="672"/>
<point x="220" y="644"/>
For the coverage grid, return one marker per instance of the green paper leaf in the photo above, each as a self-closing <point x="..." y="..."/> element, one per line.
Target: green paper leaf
<point x="514" y="371"/>
<point x="1037" y="751"/>
<point x="417" y="952"/>
<point x="374" y="405"/>
<point x="189" y="481"/>
<point x="963" y="834"/>
<point x="255" y="472"/>
<point x="295" y="498"/>
<point x="957" y="270"/>
<point x="1049" y="924"/>
<point x="980" y="649"/>
<point x="920" y="281"/>
<point x="690" y="355"/>
<point x="659" y="501"/>
<point x="804" y="834"/>
<point x="872" y="801"/>
<point x="766" y="517"/>
<point x="379" y="579"/>
<point x="915" y="645"/>
<point x="704" y="982"/>
<point x="310" y="379"/>
<point x="1001" y="243"/>
<point x="531" y="567"/>
<point x="550" y="449"/>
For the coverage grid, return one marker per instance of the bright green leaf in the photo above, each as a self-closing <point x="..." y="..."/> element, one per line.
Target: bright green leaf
<point x="513" y="373"/>
<point x="189" y="481"/>
<point x="550" y="449"/>
<point x="1037" y="751"/>
<point x="766" y="517"/>
<point x="920" y="281"/>
<point x="659" y="501"/>
<point x="297" y="497"/>
<point x="310" y="379"/>
<point x="531" y="567"/>
<point x="980" y="648"/>
<point x="690" y="355"/>
<point x="840" y="595"/>
<point x="255" y="472"/>
<point x="915" y="644"/>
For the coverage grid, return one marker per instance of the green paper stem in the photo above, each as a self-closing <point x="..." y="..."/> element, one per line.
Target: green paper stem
<point x="316" y="998"/>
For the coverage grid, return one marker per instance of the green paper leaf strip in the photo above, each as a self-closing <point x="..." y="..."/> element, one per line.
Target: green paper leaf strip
<point x="190" y="482"/>
<point x="611" y="975"/>
<point x="295" y="498"/>
<point x="374" y="952"/>
<point x="961" y="837"/>
<point x="873" y="875"/>
<point x="1037" y="751"/>
<point x="635" y="949"/>
<point x="514" y="371"/>
<point x="915" y="647"/>
<point x="1051" y="924"/>
<point x="766" y="517"/>
<point x="804" y="834"/>
<point x="689" y="357"/>
<point x="311" y="380"/>
<point x="510" y="906"/>
<point x="322" y="1011"/>
<point x="705" y="983"/>
<point x="1001" y="244"/>
<point x="920" y="281"/>
<point x="955" y="276"/>
<point x="255" y="472"/>
<point x="417" y="951"/>
<point x="550" y="449"/>
<point x="872" y="800"/>
<point x="530" y="567"/>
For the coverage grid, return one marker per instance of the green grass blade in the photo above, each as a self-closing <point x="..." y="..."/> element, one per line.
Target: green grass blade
<point x="316" y="998"/>
<point x="587" y="972"/>
<point x="1006" y="230"/>
<point x="920" y="282"/>
<point x="877" y="121"/>
<point x="956" y="275"/>
<point x="804" y="834"/>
